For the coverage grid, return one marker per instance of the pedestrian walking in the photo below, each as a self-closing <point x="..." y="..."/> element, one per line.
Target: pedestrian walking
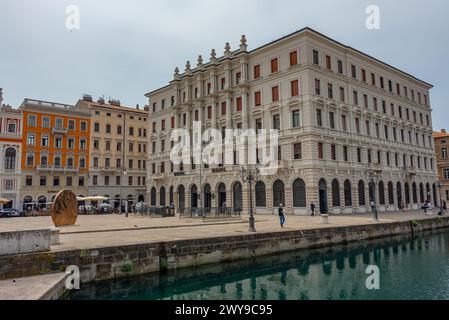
<point x="281" y="215"/>
<point x="312" y="207"/>
<point x="426" y="206"/>
<point x="373" y="206"/>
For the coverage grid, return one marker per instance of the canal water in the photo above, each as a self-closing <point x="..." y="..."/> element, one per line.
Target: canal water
<point x="415" y="268"/>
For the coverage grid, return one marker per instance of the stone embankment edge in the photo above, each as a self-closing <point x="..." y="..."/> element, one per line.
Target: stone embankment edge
<point x="123" y="261"/>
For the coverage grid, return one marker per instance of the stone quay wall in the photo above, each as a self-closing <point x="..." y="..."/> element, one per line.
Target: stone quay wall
<point x="123" y="261"/>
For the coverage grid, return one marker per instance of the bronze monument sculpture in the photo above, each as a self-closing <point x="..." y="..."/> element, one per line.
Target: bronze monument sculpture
<point x="64" y="210"/>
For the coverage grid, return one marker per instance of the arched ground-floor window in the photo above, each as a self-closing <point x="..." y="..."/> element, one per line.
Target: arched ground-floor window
<point x="261" y="195"/>
<point x="162" y="201"/>
<point x="348" y="194"/>
<point x="407" y="193"/>
<point x="278" y="194"/>
<point x="194" y="197"/>
<point x="390" y="193"/>
<point x="172" y="198"/>
<point x="335" y="193"/>
<point x="381" y="193"/>
<point x="399" y="194"/>
<point x="222" y="196"/>
<point x="414" y="193"/>
<point x="153" y="196"/>
<point x="181" y="197"/>
<point x="362" y="200"/>
<point x="299" y="194"/>
<point x="207" y="196"/>
<point x="322" y="195"/>
<point x="237" y="197"/>
<point x="421" y="192"/>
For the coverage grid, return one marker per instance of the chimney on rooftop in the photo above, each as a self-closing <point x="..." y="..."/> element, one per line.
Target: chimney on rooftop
<point x="101" y="100"/>
<point x="443" y="131"/>
<point x="1" y="97"/>
<point x="137" y="107"/>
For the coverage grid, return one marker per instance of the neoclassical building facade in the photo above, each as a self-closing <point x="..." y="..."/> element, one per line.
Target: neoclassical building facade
<point x="10" y="154"/>
<point x="351" y="129"/>
<point x="118" y="151"/>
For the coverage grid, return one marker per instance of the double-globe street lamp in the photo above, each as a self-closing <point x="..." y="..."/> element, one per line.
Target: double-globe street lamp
<point x="250" y="177"/>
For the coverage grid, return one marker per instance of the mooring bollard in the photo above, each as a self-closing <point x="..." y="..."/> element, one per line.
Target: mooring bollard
<point x="324" y="219"/>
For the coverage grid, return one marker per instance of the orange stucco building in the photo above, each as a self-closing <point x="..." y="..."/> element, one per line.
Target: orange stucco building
<point x="55" y="153"/>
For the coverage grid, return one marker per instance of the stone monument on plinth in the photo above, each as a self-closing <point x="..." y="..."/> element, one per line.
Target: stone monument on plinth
<point x="64" y="210"/>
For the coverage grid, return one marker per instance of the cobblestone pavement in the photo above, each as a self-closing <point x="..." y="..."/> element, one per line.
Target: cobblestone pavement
<point x="114" y="230"/>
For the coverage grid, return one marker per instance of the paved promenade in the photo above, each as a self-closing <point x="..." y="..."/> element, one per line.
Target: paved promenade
<point x="115" y="230"/>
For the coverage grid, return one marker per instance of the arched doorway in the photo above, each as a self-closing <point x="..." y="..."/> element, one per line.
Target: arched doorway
<point x="141" y="198"/>
<point x="322" y="188"/>
<point x="181" y="197"/>
<point x="278" y="194"/>
<point x="299" y="194"/>
<point x="207" y="196"/>
<point x="42" y="202"/>
<point x="10" y="159"/>
<point x="261" y="195"/>
<point x="335" y="193"/>
<point x="237" y="197"/>
<point x="162" y="197"/>
<point x="153" y="197"/>
<point x="130" y="202"/>
<point x="117" y="202"/>
<point x="194" y="197"/>
<point x="348" y="194"/>
<point x="362" y="200"/>
<point x="399" y="194"/>
<point x="222" y="196"/>
<point x="28" y="203"/>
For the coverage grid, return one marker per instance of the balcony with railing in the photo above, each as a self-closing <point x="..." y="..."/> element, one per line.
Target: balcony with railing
<point x="59" y="129"/>
<point x="109" y="170"/>
<point x="57" y="168"/>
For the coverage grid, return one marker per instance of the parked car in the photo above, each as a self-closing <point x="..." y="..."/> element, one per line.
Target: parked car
<point x="7" y="213"/>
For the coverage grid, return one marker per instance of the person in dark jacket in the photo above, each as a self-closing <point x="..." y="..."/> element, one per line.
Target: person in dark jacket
<point x="281" y="215"/>
<point x="312" y="207"/>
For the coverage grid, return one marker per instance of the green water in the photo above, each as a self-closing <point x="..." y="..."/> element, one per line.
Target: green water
<point x="409" y="269"/>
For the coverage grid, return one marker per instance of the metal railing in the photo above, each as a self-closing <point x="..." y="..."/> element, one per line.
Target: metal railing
<point x="216" y="212"/>
<point x="156" y="211"/>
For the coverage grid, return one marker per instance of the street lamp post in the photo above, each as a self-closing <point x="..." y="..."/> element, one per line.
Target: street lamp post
<point x="372" y="176"/>
<point x="439" y="185"/>
<point x="124" y="173"/>
<point x="249" y="177"/>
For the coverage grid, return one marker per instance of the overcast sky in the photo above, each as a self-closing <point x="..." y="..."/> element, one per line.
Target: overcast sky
<point x="125" y="49"/>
